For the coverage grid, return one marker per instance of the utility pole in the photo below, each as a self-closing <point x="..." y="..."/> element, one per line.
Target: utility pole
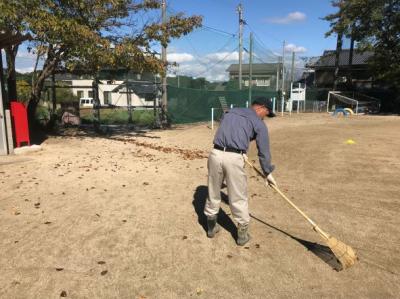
<point x="292" y="69"/>
<point x="53" y="95"/>
<point x="339" y="42"/>
<point x="283" y="67"/>
<point x="283" y="76"/>
<point x="164" y="60"/>
<point x="349" y="75"/>
<point x="177" y="74"/>
<point x="241" y="22"/>
<point x="250" y="65"/>
<point x="278" y="74"/>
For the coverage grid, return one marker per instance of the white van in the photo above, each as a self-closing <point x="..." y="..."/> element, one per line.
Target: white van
<point x="86" y="102"/>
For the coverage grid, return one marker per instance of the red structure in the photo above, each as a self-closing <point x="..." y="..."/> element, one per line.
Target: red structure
<point x="20" y="120"/>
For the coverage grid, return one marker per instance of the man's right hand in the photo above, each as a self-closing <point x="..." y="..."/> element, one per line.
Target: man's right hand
<point x="271" y="181"/>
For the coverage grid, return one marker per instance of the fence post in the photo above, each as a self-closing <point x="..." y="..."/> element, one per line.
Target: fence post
<point x="283" y="103"/>
<point x="327" y="102"/>
<point x="212" y="118"/>
<point x="273" y="104"/>
<point x="247" y="104"/>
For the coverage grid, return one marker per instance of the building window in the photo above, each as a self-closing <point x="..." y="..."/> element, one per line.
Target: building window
<point x="107" y="97"/>
<point x="80" y="94"/>
<point x="263" y="82"/>
<point x="149" y="97"/>
<point x="90" y="94"/>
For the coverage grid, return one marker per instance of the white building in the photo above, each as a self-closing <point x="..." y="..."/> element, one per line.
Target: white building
<point x="142" y="91"/>
<point x="114" y="92"/>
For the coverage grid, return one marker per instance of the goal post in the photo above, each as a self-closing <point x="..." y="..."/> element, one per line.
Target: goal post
<point x="337" y="100"/>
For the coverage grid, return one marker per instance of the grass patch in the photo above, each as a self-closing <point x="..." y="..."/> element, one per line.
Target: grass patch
<point x="112" y="116"/>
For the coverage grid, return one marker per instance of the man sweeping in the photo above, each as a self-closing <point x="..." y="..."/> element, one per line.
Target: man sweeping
<point x="238" y="127"/>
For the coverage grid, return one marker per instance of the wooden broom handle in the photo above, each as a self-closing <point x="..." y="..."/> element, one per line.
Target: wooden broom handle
<point x="314" y="225"/>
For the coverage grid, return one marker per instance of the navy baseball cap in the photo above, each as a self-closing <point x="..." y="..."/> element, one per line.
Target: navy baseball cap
<point x="263" y="101"/>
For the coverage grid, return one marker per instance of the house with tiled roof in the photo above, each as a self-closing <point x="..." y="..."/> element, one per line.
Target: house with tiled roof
<point x="354" y="68"/>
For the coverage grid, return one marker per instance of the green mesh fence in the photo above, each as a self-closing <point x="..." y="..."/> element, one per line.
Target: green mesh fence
<point x="186" y="105"/>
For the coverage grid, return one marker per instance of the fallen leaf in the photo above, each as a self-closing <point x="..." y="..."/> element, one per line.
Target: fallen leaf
<point x="63" y="294"/>
<point x="101" y="262"/>
<point x="59" y="269"/>
<point x="47" y="222"/>
<point x="184" y="237"/>
<point x="103" y="272"/>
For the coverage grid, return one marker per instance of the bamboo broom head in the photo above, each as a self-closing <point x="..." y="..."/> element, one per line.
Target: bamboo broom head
<point x="344" y="253"/>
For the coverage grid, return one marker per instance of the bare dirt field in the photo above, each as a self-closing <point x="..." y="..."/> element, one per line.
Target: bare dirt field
<point x="121" y="216"/>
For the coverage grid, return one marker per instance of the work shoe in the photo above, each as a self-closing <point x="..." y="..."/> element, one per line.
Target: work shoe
<point x="212" y="226"/>
<point x="243" y="235"/>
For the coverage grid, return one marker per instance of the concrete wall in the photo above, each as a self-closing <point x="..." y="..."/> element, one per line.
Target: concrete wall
<point x="3" y="136"/>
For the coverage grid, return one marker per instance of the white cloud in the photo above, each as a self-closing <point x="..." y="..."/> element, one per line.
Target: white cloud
<point x="179" y="57"/>
<point x="226" y="56"/>
<point x="24" y="69"/>
<point x="294" y="48"/>
<point x="290" y="18"/>
<point x="25" y="54"/>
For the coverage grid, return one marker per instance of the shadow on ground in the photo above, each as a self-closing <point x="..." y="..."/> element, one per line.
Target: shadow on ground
<point x="199" y="200"/>
<point x="321" y="251"/>
<point x="110" y="131"/>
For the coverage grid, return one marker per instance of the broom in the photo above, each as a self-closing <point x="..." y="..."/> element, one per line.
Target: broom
<point x="344" y="253"/>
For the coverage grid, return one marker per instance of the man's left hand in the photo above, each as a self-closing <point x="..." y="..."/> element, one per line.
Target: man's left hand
<point x="271" y="181"/>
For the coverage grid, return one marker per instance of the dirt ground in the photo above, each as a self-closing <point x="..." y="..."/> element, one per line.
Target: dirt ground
<point x="121" y="216"/>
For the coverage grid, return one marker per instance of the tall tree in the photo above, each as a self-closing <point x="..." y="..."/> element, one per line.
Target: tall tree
<point x="11" y="22"/>
<point x="92" y="34"/>
<point x="374" y="25"/>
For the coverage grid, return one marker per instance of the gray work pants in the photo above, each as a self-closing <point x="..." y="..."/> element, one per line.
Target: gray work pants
<point x="229" y="166"/>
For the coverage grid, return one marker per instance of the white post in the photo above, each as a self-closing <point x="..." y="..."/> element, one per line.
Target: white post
<point x="273" y="104"/>
<point x="212" y="118"/>
<point x="327" y="104"/>
<point x="231" y="106"/>
<point x="9" y="132"/>
<point x="283" y="103"/>
<point x="247" y="104"/>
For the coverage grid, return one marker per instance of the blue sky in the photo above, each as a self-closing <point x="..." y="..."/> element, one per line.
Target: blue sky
<point x="207" y="52"/>
<point x="297" y="22"/>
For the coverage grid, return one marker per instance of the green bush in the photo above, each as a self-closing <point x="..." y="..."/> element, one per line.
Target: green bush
<point x="42" y="115"/>
<point x="119" y="117"/>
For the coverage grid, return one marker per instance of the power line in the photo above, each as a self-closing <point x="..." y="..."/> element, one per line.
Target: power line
<point x="199" y="56"/>
<point x="219" y="30"/>
<point x="218" y="62"/>
<point x="174" y="12"/>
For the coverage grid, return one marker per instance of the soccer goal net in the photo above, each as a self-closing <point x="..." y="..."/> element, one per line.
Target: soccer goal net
<point x="358" y="103"/>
